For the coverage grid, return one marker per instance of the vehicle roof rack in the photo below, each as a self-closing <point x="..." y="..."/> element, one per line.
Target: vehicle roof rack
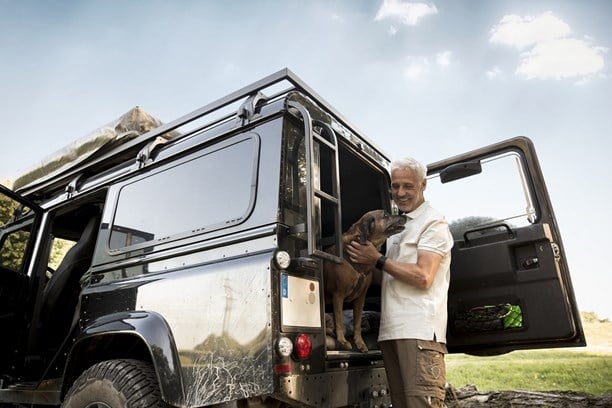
<point x="255" y="88"/>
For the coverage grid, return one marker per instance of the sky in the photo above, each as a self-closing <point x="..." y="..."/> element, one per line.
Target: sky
<point x="428" y="79"/>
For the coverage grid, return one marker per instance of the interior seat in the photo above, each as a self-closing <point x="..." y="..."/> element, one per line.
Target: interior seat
<point x="61" y="294"/>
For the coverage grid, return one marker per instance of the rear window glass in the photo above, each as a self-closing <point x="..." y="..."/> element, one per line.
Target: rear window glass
<point x="204" y="193"/>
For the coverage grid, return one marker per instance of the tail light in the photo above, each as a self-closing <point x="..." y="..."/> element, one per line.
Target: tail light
<point x="303" y="346"/>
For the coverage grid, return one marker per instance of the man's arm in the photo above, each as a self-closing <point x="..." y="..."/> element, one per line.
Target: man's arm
<point x="420" y="274"/>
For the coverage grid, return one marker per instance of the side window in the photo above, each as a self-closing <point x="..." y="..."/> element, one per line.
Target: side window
<point x="212" y="190"/>
<point x="13" y="249"/>
<point x="59" y="248"/>
<point x="15" y="227"/>
<point x="491" y="202"/>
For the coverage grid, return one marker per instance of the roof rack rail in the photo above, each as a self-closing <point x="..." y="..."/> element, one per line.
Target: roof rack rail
<point x="283" y="75"/>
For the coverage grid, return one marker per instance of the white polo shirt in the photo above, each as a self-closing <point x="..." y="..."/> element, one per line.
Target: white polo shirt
<point x="408" y="312"/>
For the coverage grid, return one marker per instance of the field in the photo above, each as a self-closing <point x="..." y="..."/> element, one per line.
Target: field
<point x="586" y="369"/>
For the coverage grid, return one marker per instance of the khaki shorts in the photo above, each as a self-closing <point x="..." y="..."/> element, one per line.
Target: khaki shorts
<point x="416" y="372"/>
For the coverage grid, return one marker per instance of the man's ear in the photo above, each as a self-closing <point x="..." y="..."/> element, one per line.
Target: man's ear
<point x="424" y="184"/>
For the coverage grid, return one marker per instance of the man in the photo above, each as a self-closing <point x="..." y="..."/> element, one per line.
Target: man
<point x="415" y="278"/>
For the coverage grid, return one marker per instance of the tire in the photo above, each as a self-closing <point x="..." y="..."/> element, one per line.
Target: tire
<point x="116" y="384"/>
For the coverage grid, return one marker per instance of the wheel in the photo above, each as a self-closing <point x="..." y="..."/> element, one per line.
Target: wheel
<point x="115" y="384"/>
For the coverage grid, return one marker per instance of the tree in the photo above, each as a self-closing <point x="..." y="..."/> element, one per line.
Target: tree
<point x="13" y="245"/>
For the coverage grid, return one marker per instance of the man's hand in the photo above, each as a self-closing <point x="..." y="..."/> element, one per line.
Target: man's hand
<point x="420" y="274"/>
<point x="366" y="254"/>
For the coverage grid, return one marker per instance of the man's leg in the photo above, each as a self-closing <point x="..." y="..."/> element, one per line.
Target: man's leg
<point x="415" y="372"/>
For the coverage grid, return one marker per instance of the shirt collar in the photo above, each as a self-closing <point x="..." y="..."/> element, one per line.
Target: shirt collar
<point x="417" y="211"/>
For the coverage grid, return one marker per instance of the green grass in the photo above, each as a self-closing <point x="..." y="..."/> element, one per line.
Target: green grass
<point x="534" y="370"/>
<point x="583" y="370"/>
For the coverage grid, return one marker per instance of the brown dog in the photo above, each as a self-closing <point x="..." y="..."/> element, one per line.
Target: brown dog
<point x="348" y="282"/>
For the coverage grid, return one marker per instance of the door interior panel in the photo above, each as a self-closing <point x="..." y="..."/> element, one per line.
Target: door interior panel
<point x="487" y="276"/>
<point x="510" y="286"/>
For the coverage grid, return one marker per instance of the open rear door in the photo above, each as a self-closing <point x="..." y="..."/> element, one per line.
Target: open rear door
<point x="510" y="285"/>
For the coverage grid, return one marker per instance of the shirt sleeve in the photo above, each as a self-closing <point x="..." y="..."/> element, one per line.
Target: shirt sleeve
<point x="436" y="238"/>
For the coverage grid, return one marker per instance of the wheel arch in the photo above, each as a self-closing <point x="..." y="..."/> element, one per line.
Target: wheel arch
<point x="142" y="336"/>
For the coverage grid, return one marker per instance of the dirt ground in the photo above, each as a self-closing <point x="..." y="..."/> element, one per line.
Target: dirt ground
<point x="469" y="397"/>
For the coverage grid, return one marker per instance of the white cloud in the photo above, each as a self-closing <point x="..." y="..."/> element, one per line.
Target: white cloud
<point x="494" y="72"/>
<point x="443" y="58"/>
<point x="561" y="58"/>
<point x="416" y="68"/>
<point x="521" y="32"/>
<point x="405" y="12"/>
<point x="549" y="52"/>
<point x="392" y="30"/>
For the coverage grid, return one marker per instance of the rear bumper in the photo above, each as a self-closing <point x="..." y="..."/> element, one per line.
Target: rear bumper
<point x="365" y="387"/>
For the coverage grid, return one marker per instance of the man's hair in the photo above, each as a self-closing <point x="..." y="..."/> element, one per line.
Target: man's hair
<point x="408" y="163"/>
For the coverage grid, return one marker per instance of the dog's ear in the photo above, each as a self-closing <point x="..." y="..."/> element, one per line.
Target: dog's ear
<point x="364" y="229"/>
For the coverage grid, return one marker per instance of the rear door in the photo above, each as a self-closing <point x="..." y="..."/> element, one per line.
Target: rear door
<point x="510" y="284"/>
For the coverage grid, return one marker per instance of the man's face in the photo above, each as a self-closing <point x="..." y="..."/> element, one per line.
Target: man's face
<point x="406" y="189"/>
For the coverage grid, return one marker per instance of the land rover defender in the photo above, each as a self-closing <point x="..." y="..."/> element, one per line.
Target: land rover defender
<point x="180" y="264"/>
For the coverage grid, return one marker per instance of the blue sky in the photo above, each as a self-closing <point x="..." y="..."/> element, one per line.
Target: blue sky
<point x="428" y="79"/>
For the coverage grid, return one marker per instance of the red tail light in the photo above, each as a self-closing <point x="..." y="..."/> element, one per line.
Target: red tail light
<point x="303" y="346"/>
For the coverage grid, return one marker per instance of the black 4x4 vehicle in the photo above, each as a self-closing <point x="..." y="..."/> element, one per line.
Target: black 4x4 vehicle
<point x="180" y="264"/>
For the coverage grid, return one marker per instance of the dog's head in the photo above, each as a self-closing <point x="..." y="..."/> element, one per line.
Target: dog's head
<point x="376" y="226"/>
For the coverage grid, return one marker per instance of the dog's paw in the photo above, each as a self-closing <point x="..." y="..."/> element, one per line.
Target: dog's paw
<point x="346" y="344"/>
<point x="361" y="346"/>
